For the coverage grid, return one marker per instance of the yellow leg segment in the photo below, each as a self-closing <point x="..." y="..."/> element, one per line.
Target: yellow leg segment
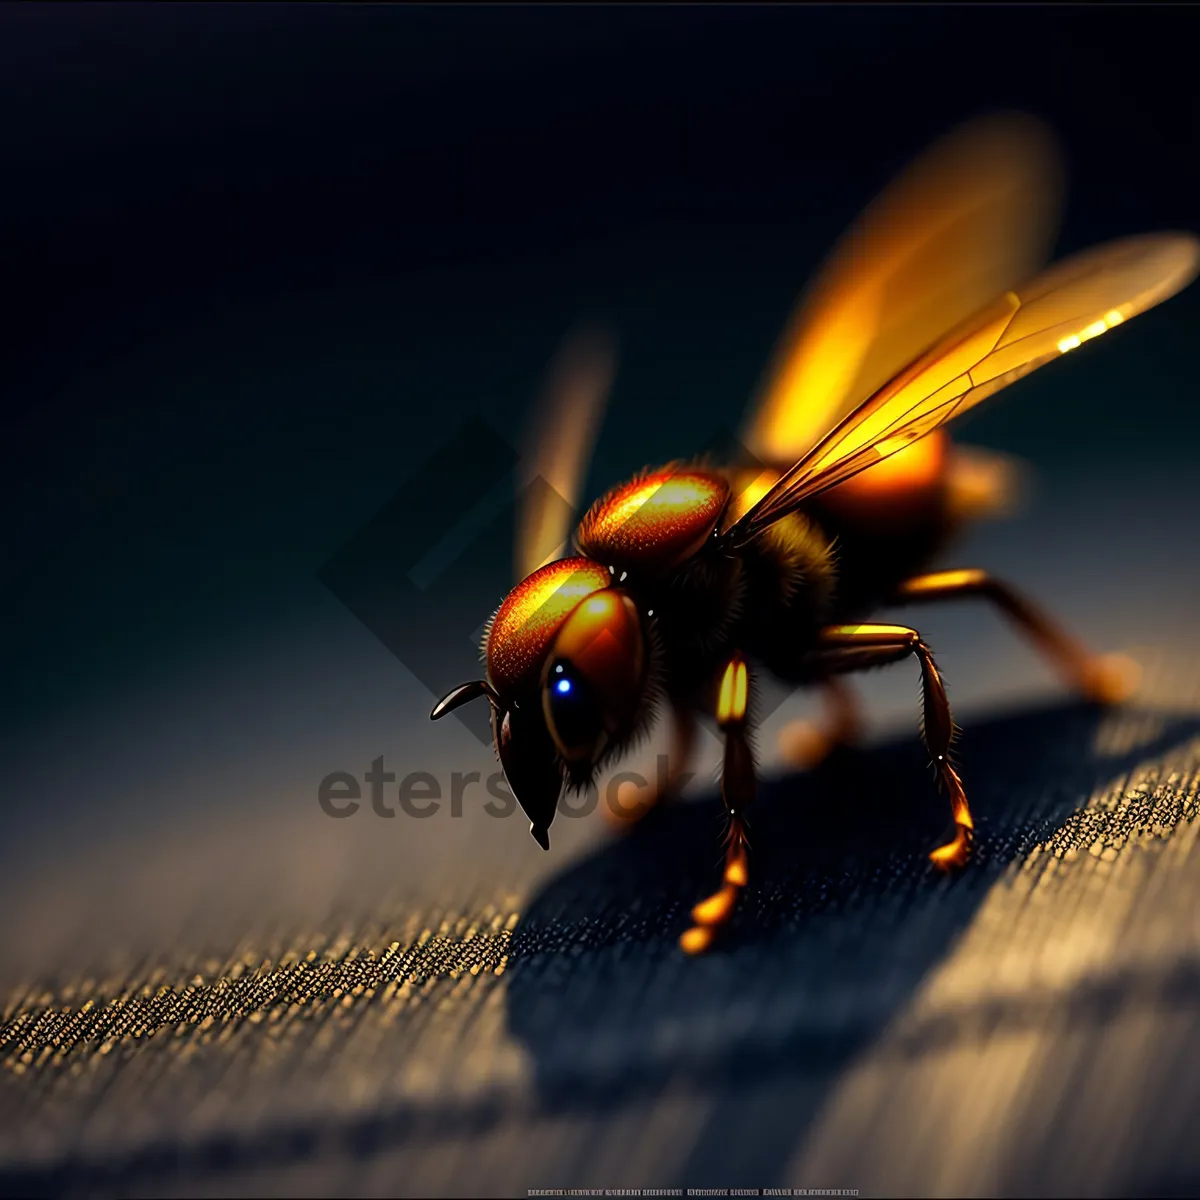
<point x="737" y="789"/>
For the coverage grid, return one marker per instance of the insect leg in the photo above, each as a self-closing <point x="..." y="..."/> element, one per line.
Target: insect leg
<point x="804" y="745"/>
<point x="858" y="647"/>
<point x="683" y="741"/>
<point x="1105" y="679"/>
<point x="737" y="790"/>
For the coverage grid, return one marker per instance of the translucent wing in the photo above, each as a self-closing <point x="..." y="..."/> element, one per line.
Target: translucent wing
<point x="1076" y="300"/>
<point x="559" y="447"/>
<point x="971" y="218"/>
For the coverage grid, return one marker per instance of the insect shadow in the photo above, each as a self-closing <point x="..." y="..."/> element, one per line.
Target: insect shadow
<point x="844" y="919"/>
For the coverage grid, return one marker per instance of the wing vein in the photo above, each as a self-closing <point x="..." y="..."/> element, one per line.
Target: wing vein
<point x="1074" y="301"/>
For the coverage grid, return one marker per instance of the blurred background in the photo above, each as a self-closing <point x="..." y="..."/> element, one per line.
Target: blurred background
<point x="265" y="263"/>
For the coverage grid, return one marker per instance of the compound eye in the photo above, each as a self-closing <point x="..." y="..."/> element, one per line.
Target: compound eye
<point x="593" y="680"/>
<point x="573" y="713"/>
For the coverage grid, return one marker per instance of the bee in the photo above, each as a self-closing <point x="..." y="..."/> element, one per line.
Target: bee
<point x="693" y="579"/>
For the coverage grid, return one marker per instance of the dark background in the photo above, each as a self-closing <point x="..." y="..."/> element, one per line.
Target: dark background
<point x="262" y="261"/>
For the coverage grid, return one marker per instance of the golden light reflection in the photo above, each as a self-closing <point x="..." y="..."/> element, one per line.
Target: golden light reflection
<point x="1013" y="336"/>
<point x="953" y="854"/>
<point x="1095" y="329"/>
<point x="912" y="470"/>
<point x="731" y="699"/>
<point x="669" y="497"/>
<point x="935" y="581"/>
<point x="748" y="494"/>
<point x="970" y="218"/>
<point x="716" y="909"/>
<point x="532" y="614"/>
<point x="982" y="483"/>
<point x="758" y="487"/>
<point x="866" y="635"/>
<point x="564" y="429"/>
<point x="654" y="521"/>
<point x="697" y="939"/>
<point x="737" y="872"/>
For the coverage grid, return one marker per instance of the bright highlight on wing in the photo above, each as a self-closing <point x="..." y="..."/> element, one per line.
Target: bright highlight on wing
<point x="1095" y="329"/>
<point x="556" y="460"/>
<point x="970" y="219"/>
<point x="1073" y="302"/>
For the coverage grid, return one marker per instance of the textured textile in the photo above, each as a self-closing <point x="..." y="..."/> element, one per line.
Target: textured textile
<point x="1028" y="1028"/>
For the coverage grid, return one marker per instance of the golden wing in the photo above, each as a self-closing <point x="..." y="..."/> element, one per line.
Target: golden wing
<point x="971" y="218"/>
<point x="1073" y="302"/>
<point x="559" y="447"/>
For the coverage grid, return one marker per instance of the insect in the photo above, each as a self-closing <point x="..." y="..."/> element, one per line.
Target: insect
<point x="691" y="580"/>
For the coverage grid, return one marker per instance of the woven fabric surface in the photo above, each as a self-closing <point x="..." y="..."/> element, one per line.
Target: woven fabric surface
<point x="1028" y="1028"/>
